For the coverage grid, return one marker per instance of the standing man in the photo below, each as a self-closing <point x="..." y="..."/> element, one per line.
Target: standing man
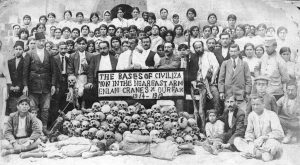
<point x="39" y="79"/>
<point x="233" y="118"/>
<point x="170" y="60"/>
<point x="15" y="67"/>
<point x="79" y="65"/>
<point x="273" y="66"/>
<point x="101" y="62"/>
<point x="223" y="53"/>
<point x="61" y="63"/>
<point x="234" y="77"/>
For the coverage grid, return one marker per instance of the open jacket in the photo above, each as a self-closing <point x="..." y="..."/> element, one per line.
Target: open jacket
<point x="33" y="128"/>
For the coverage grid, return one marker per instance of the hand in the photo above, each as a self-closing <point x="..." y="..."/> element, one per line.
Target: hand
<point x="25" y="91"/>
<point x="227" y="145"/>
<point x="12" y="88"/>
<point x="52" y="90"/>
<point x="89" y="85"/>
<point x="193" y="84"/>
<point x="17" y="88"/>
<point x="28" y="143"/>
<point x="222" y="96"/>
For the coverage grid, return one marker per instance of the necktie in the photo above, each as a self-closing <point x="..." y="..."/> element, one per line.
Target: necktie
<point x="63" y="64"/>
<point x="130" y="59"/>
<point x="234" y="64"/>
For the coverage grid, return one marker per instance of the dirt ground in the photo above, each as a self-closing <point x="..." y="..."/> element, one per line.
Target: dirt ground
<point x="290" y="157"/>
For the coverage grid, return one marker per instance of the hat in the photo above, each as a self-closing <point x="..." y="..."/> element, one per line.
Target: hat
<point x="23" y="98"/>
<point x="262" y="77"/>
<point x="39" y="36"/>
<point x="19" y="43"/>
<point x="270" y="41"/>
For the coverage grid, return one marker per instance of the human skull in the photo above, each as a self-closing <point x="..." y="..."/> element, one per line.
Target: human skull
<point x="81" y="118"/>
<point x="192" y="122"/>
<point x="95" y="123"/>
<point x="109" y="135"/>
<point x="154" y="133"/>
<point x="92" y="133"/>
<point x="131" y="110"/>
<point x="133" y="126"/>
<point x="91" y="116"/>
<point x="99" y="116"/>
<point x="157" y="117"/>
<point x="142" y="125"/>
<point x="150" y="120"/>
<point x="114" y="110"/>
<point x="111" y="127"/>
<point x="118" y="137"/>
<point x="85" y="134"/>
<point x="112" y="103"/>
<point x="77" y="132"/>
<point x="105" y="109"/>
<point x="103" y="102"/>
<point x="170" y="138"/>
<point x="71" y="81"/>
<point x="175" y="125"/>
<point x="156" y="108"/>
<point x="188" y="131"/>
<point x="166" y="118"/>
<point x="66" y="124"/>
<point x="172" y="109"/>
<point x="100" y="134"/>
<point x="167" y="126"/>
<point x="145" y="132"/>
<point x="150" y="126"/>
<point x="71" y="132"/>
<point x="179" y="140"/>
<point x="76" y="124"/>
<point x="144" y="117"/>
<point x="96" y="107"/>
<point x="127" y="120"/>
<point x="122" y="105"/>
<point x="136" y="118"/>
<point x="188" y="139"/>
<point x="85" y="125"/>
<point x="158" y="125"/>
<point x="116" y="120"/>
<point x="174" y="133"/>
<point x="104" y="128"/>
<point x="122" y="113"/>
<point x="149" y="112"/>
<point x="137" y="132"/>
<point x="122" y="127"/>
<point x="164" y="110"/>
<point x="195" y="138"/>
<point x="182" y="121"/>
<point x="109" y="118"/>
<point x="142" y="109"/>
<point x="174" y="116"/>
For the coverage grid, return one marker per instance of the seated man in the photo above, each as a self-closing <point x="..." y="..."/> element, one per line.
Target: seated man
<point x="22" y="131"/>
<point x="288" y="111"/>
<point x="233" y="118"/>
<point x="263" y="133"/>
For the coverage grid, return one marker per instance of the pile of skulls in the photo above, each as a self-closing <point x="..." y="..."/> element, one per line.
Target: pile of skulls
<point x="110" y="119"/>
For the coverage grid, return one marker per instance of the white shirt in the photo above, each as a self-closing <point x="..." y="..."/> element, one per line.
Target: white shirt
<point x="236" y="62"/>
<point x="120" y="23"/>
<point x="17" y="62"/>
<point x="138" y="22"/>
<point x="230" y="114"/>
<point x="167" y="23"/>
<point x="40" y="53"/>
<point x="105" y="63"/>
<point x="123" y="61"/>
<point x="81" y="59"/>
<point x="93" y="26"/>
<point x="65" y="23"/>
<point x="21" y="132"/>
<point x="63" y="63"/>
<point x="78" y="26"/>
<point x="224" y="52"/>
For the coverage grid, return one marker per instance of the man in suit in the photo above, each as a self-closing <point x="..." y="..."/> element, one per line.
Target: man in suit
<point x="39" y="79"/>
<point x="233" y="118"/>
<point x="79" y="66"/>
<point x="61" y="63"/>
<point x="15" y="67"/>
<point x="223" y="54"/>
<point x="101" y="62"/>
<point x="234" y="77"/>
<point x="149" y="57"/>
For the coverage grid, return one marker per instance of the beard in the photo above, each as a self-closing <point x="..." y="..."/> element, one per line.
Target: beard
<point x="211" y="48"/>
<point x="200" y="53"/>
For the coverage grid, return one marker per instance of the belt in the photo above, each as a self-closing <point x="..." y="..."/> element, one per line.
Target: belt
<point x="2" y="75"/>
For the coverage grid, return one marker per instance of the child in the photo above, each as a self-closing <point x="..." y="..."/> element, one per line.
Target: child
<point x="213" y="129"/>
<point x="175" y="19"/>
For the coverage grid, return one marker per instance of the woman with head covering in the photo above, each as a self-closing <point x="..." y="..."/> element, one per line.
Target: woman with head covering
<point x="67" y="21"/>
<point x="106" y="18"/>
<point x="120" y="21"/>
<point x="136" y="19"/>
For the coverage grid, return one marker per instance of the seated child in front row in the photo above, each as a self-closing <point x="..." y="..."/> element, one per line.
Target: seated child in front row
<point x="213" y="129"/>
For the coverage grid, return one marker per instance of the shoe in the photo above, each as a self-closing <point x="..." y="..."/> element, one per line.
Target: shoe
<point x="208" y="148"/>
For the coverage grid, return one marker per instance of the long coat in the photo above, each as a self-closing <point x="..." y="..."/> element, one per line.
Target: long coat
<point x="16" y="73"/>
<point x="39" y="76"/>
<point x="235" y="82"/>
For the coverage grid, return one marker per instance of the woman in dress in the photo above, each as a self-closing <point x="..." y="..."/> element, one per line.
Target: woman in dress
<point x="120" y="21"/>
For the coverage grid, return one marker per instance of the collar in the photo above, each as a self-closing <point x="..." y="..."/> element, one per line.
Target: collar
<point x="39" y="50"/>
<point x="60" y="56"/>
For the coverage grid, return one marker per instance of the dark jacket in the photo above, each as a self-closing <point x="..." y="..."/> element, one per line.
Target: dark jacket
<point x="16" y="73"/>
<point x="238" y="128"/>
<point x="219" y="56"/>
<point x="38" y="76"/>
<point x="150" y="59"/>
<point x="94" y="67"/>
<point x="73" y="67"/>
<point x="33" y="128"/>
<point x="58" y="64"/>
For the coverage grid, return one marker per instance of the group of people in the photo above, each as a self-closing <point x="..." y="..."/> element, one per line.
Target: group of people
<point x="251" y="69"/>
